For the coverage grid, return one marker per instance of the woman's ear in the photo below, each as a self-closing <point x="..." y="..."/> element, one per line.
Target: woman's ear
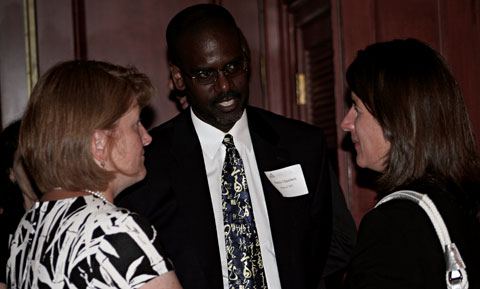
<point x="98" y="147"/>
<point x="177" y="77"/>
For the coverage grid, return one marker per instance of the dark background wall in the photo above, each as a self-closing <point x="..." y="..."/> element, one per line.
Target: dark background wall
<point x="306" y="42"/>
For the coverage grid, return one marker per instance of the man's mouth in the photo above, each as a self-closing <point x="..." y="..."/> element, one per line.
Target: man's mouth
<point x="227" y="103"/>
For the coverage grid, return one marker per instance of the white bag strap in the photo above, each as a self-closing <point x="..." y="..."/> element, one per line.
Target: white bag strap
<point x="456" y="275"/>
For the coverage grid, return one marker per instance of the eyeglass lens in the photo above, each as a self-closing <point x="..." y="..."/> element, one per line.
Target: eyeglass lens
<point x="230" y="70"/>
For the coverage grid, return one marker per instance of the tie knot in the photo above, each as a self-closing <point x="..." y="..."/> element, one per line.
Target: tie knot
<point x="228" y="140"/>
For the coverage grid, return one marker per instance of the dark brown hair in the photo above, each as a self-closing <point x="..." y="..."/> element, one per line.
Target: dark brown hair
<point x="408" y="87"/>
<point x="68" y="103"/>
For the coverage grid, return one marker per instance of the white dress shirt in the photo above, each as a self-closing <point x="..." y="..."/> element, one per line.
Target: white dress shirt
<point x="214" y="155"/>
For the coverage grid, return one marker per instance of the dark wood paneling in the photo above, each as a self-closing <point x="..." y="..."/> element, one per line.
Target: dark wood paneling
<point x="407" y="18"/>
<point x="356" y="28"/>
<point x="319" y="59"/>
<point x="461" y="47"/>
<point x="277" y="57"/>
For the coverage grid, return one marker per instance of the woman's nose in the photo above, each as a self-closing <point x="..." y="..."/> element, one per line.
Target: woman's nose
<point x="347" y="123"/>
<point x="146" y="137"/>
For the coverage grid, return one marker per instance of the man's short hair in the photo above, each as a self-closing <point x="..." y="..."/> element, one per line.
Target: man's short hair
<point x="193" y="21"/>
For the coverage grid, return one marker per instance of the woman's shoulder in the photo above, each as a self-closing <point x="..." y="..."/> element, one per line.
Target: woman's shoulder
<point x="125" y="239"/>
<point x="399" y="229"/>
<point x="402" y="226"/>
<point x="396" y="220"/>
<point x="119" y="220"/>
<point x="407" y="216"/>
<point x="128" y="234"/>
<point x="391" y="237"/>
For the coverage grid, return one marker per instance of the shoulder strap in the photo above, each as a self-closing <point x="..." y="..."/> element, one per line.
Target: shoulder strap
<point x="456" y="276"/>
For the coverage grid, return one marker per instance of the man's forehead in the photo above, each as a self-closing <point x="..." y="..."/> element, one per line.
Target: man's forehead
<point x="210" y="49"/>
<point x="201" y="34"/>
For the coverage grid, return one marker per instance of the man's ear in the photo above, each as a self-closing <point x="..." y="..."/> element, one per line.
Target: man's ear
<point x="98" y="147"/>
<point x="177" y="77"/>
<point x="11" y="175"/>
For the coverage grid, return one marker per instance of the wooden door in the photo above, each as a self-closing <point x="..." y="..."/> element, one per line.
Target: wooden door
<point x="299" y="67"/>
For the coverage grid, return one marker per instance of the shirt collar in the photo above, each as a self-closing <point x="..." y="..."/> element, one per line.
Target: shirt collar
<point x="211" y="137"/>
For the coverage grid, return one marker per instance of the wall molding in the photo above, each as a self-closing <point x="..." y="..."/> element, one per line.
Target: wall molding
<point x="31" y="51"/>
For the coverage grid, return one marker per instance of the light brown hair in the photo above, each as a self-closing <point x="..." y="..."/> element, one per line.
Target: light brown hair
<point x="69" y="102"/>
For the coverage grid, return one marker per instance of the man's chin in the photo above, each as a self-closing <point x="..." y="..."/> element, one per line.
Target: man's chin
<point x="230" y="118"/>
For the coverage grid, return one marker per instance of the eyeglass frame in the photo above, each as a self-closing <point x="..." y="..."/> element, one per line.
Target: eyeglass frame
<point x="240" y="59"/>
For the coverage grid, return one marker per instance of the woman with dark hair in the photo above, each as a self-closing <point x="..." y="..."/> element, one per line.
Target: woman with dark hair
<point x="82" y="142"/>
<point x="409" y="123"/>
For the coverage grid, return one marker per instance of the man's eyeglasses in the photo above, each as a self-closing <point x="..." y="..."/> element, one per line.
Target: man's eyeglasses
<point x="209" y="76"/>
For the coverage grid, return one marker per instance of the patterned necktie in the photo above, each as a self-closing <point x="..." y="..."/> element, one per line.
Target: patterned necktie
<point x="244" y="259"/>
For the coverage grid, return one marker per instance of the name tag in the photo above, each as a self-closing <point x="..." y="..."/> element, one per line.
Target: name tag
<point x="289" y="181"/>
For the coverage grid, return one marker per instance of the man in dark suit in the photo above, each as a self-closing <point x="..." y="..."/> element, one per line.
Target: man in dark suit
<point x="301" y="225"/>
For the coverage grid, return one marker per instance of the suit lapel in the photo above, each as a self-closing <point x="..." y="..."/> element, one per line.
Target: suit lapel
<point x="271" y="156"/>
<point x="193" y="197"/>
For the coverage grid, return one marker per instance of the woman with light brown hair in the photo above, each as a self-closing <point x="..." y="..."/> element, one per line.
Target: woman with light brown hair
<point x="408" y="122"/>
<point x="82" y="142"/>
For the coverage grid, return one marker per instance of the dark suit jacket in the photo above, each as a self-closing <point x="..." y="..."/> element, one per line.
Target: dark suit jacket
<point x="176" y="199"/>
<point x="399" y="248"/>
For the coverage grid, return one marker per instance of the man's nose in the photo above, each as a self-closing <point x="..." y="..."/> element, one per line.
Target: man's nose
<point x="223" y="82"/>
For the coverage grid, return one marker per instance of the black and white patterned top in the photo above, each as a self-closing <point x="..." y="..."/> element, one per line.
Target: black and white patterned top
<point x="83" y="242"/>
